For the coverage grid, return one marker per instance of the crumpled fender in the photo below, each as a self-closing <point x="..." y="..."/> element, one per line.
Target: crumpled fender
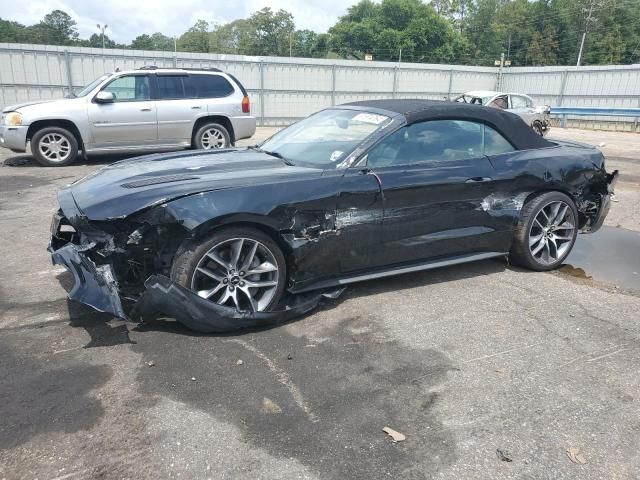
<point x="165" y="298"/>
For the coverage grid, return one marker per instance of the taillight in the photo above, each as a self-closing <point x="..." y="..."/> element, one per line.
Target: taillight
<point x="246" y="107"/>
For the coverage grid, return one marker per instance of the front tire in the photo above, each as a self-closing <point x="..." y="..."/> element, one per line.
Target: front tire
<point x="537" y="127"/>
<point x="238" y="267"/>
<point x="211" y="136"/>
<point x="546" y="231"/>
<point x="54" y="147"/>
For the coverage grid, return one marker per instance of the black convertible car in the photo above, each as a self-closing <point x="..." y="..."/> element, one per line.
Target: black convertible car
<point x="353" y="192"/>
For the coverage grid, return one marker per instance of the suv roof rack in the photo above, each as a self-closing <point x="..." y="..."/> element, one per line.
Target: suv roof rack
<point x="155" y="67"/>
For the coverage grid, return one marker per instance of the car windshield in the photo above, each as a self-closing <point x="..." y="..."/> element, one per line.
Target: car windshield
<point x="89" y="88"/>
<point x="326" y="138"/>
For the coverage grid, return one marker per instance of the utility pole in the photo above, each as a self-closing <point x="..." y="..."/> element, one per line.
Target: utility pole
<point x="290" y="44"/>
<point x="102" y="29"/>
<point x="400" y="56"/>
<point x="592" y="5"/>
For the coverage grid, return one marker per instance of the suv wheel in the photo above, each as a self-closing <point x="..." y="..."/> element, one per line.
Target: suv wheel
<point x="54" y="146"/>
<point x="211" y="136"/>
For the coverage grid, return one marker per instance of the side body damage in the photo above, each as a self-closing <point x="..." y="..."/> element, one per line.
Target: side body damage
<point x="118" y="230"/>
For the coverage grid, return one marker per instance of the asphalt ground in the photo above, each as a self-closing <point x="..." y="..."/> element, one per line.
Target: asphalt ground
<point x="491" y="372"/>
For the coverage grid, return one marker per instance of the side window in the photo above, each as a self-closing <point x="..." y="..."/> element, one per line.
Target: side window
<point x="518" y="102"/>
<point x="130" y="88"/>
<point x="494" y="143"/>
<point x="499" y="102"/>
<point x="434" y="141"/>
<point x="209" y="86"/>
<point x="170" y="87"/>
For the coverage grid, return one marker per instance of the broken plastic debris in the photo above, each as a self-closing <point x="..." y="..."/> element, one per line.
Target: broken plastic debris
<point x="395" y="436"/>
<point x="269" y="406"/>
<point x="503" y="455"/>
<point x="239" y="362"/>
<point x="193" y="379"/>
<point x="151" y="363"/>
<point x="575" y="456"/>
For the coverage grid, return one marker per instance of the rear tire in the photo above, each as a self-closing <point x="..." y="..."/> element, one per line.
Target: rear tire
<point x="546" y="232"/>
<point x="537" y="127"/>
<point x="208" y="267"/>
<point x="211" y="136"/>
<point x="54" y="146"/>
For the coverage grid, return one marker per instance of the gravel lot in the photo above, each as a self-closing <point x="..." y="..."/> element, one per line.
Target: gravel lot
<point x="490" y="371"/>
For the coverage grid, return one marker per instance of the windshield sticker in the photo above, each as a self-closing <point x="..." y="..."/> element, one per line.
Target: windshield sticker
<point x="335" y="156"/>
<point x="370" y="118"/>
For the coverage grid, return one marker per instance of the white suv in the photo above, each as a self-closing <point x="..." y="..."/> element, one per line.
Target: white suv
<point x="145" y="109"/>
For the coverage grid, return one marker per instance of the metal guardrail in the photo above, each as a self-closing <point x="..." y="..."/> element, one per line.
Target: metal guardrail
<point x="564" y="112"/>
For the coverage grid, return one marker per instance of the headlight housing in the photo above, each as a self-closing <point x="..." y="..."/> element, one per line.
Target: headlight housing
<point x="13" y="118"/>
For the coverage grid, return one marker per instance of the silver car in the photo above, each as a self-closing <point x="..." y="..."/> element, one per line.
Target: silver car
<point x="145" y="109"/>
<point x="537" y="117"/>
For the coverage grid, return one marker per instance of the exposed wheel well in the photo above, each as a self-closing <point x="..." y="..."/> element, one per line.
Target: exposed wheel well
<point x="69" y="125"/>
<point x="222" y="120"/>
<point x="271" y="232"/>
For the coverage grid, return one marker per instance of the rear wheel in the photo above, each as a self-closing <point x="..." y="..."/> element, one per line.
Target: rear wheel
<point x="537" y="127"/>
<point x="237" y="267"/>
<point x="54" y="146"/>
<point x="212" y="136"/>
<point x="546" y="231"/>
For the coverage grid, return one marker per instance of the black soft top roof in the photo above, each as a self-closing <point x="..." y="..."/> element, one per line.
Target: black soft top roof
<point x="509" y="125"/>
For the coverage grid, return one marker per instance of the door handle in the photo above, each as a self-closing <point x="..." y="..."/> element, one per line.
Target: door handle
<point x="145" y="109"/>
<point x="478" y="179"/>
<point x="196" y="107"/>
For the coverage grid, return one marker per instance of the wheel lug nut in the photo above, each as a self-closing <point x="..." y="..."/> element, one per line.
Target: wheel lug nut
<point x="242" y="274"/>
<point x="242" y="284"/>
<point x="225" y="280"/>
<point x="231" y="288"/>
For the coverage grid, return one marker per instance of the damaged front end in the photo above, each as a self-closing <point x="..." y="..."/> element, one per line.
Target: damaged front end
<point x="122" y="267"/>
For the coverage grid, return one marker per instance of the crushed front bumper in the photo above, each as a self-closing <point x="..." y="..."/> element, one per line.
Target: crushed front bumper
<point x="96" y="285"/>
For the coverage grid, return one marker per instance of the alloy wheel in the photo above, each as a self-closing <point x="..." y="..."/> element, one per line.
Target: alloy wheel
<point x="239" y="272"/>
<point x="552" y="233"/>
<point x="212" y="138"/>
<point x="55" y="147"/>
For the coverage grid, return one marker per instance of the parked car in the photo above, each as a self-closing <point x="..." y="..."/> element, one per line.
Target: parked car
<point x="146" y="109"/>
<point x="537" y="117"/>
<point x="354" y="192"/>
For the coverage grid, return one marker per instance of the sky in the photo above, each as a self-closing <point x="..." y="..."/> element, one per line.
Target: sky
<point x="126" y="19"/>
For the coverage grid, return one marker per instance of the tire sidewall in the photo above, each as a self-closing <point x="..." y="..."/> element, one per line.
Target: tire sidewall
<point x="542" y="201"/>
<point x="191" y="252"/>
<point x="35" y="147"/>
<point x="198" y="136"/>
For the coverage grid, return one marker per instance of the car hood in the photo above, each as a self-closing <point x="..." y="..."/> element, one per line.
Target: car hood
<point x="126" y="187"/>
<point x="13" y="108"/>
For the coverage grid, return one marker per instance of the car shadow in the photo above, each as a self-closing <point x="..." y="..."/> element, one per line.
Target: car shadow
<point x="362" y="289"/>
<point x="103" y="329"/>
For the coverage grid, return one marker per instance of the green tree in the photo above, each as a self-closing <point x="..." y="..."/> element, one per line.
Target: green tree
<point x="11" y="32"/>
<point x="270" y="32"/>
<point x="56" y="28"/>
<point x="196" y="39"/>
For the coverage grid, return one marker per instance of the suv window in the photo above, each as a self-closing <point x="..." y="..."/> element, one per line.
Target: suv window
<point x="519" y="102"/>
<point x="207" y="86"/>
<point x="170" y="87"/>
<point x="434" y="141"/>
<point x="500" y="102"/>
<point x="129" y="88"/>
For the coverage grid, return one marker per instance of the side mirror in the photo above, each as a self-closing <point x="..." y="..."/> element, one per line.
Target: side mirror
<point x="104" y="97"/>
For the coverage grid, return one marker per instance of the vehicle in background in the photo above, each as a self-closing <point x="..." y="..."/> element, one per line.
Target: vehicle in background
<point x="537" y="117"/>
<point x="146" y="109"/>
